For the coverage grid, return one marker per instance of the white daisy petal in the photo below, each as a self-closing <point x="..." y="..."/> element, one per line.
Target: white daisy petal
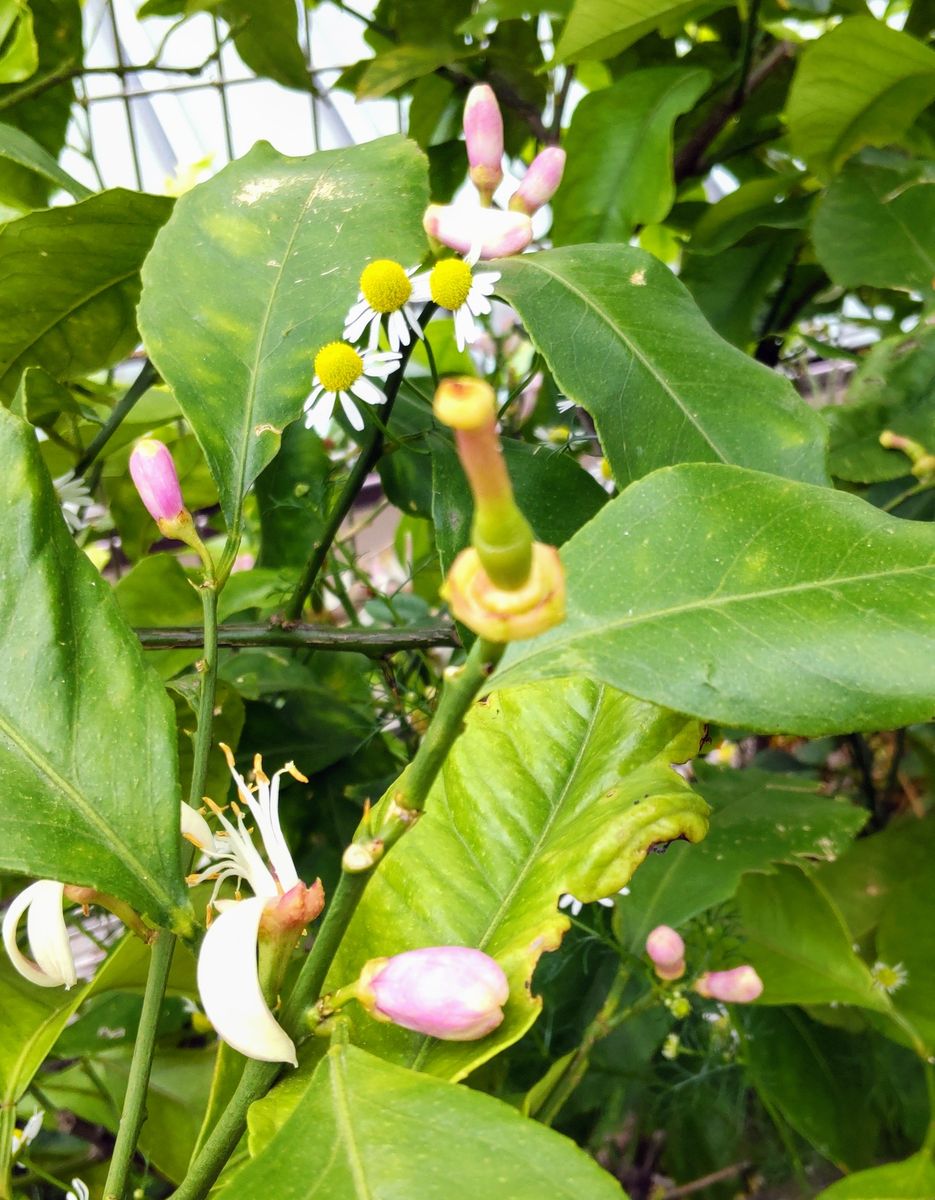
<point x="357" y="323"/>
<point x="319" y="417"/>
<point x="397" y="330"/>
<point x="364" y="390"/>
<point x="351" y="411"/>
<point x="313" y="396"/>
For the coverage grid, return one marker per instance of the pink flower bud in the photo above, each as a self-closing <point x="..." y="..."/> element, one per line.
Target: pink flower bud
<point x="483" y="135"/>
<point x="742" y="985"/>
<point x="667" y="951"/>
<point x="154" y="474"/>
<point x="540" y="182"/>
<point x="448" y="992"/>
<point x="484" y="232"/>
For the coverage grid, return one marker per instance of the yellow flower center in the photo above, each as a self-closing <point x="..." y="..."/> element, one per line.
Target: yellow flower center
<point x="450" y="282"/>
<point x="337" y="366"/>
<point x="385" y="285"/>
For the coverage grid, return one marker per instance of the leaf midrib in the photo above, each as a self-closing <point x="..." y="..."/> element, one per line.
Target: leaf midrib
<point x="532" y="262"/>
<point x="108" y="834"/>
<point x="345" y="1124"/>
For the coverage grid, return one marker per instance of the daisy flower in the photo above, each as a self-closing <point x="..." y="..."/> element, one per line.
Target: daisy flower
<point x="341" y="372"/>
<point x="385" y="290"/>
<point x="453" y="284"/>
<point x="574" y="905"/>
<point x="73" y="495"/>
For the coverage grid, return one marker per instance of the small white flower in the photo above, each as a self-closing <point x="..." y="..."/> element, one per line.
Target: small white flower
<point x="22" y="1137"/>
<point x="54" y="965"/>
<point x="78" y="1191"/>
<point x="73" y="495"/>
<point x="889" y="979"/>
<point x="228" y="972"/>
<point x="385" y="291"/>
<point x="341" y="372"/>
<point x="574" y="905"/>
<point x="453" y="284"/>
<point x="566" y="405"/>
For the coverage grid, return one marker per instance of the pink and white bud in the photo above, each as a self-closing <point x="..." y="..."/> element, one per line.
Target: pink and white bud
<point x="667" y="952"/>
<point x="156" y="480"/>
<point x="483" y="135"/>
<point x="448" y="992"/>
<point x="540" y="183"/>
<point x="478" y="232"/>
<point x="742" y="985"/>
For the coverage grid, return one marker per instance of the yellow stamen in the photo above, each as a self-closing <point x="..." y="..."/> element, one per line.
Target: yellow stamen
<point x="258" y="771"/>
<point x="228" y="753"/>
<point x="450" y="282"/>
<point x="291" y="769"/>
<point x="337" y="366"/>
<point x="385" y="286"/>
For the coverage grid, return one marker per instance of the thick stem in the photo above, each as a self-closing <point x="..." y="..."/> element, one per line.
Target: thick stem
<point x="134" y="1105"/>
<point x="366" y="460"/>
<point x="143" y="382"/>
<point x="373" y="642"/>
<point x="408" y="800"/>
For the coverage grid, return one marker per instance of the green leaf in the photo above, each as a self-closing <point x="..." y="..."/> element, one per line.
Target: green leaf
<point x="906" y="938"/>
<point x="862" y="84"/>
<point x="891" y="389"/>
<point x="508" y="10"/>
<point x="582" y="789"/>
<point x="599" y="29"/>
<point x="799" y="944"/>
<point x="58" y="32"/>
<point x="87" y="755"/>
<point x="254" y="272"/>
<point x="156" y="592"/>
<point x="913" y="1179"/>
<point x="862" y="881"/>
<point x="758" y="819"/>
<point x="754" y="205"/>
<point x="20" y="56"/>
<point x="81" y="319"/>
<point x="668" y="389"/>
<point x="401" y="64"/>
<point x="266" y="38"/>
<point x="875" y="227"/>
<point x="292" y="496"/>
<point x="749" y="600"/>
<point x="619" y="169"/>
<point x="368" y="1130"/>
<point x="40" y="399"/>
<point x="811" y="1074"/>
<point x="554" y="491"/>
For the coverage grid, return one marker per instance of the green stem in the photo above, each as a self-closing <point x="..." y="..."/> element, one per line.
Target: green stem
<point x="7" y="1125"/>
<point x="134" y="1104"/>
<point x="143" y="382"/>
<point x="608" y="1018"/>
<point x="408" y="800"/>
<point x="366" y="460"/>
<point x="373" y="642"/>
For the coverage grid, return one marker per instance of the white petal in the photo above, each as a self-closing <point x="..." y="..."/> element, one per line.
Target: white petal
<point x="319" y="417"/>
<point x="313" y="396"/>
<point x="374" y="339"/>
<point x="229" y="985"/>
<point x="357" y="322"/>
<point x="364" y="390"/>
<point x="58" y="956"/>
<point x="465" y="328"/>
<point x="421" y="292"/>
<point x="478" y="303"/>
<point x="350" y="411"/>
<point x="606" y="902"/>
<point x="196" y="829"/>
<point x="79" y="1191"/>
<point x="397" y="330"/>
<point x="32" y="1126"/>
<point x="413" y="318"/>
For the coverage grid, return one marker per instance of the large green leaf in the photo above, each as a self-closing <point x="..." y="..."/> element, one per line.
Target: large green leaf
<point x="76" y="318"/>
<point x="605" y="195"/>
<point x="266" y="38"/>
<point x="913" y="1179"/>
<point x="661" y="386"/>
<point x="368" y="1130"/>
<point x="602" y="28"/>
<point x="88" y="770"/>
<point x="749" y="600"/>
<point x="255" y="271"/>
<point x="799" y="944"/>
<point x="862" y="84"/>
<point x="906" y="936"/>
<point x="582" y="789"/>
<point x="876" y="226"/>
<point x="758" y="819"/>
<point x="811" y="1074"/>
<point x="292" y="496"/>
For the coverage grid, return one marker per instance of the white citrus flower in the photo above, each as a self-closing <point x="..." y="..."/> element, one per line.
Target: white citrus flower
<point x="54" y="965"/>
<point x="385" y="289"/>
<point x="22" y="1137"/>
<point x="453" y="284"/>
<point x="228" y="972"/>
<point x="341" y="373"/>
<point x="73" y="495"/>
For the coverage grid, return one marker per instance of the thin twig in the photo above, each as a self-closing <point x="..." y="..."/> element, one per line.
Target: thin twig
<point x="698" y="1185"/>
<point x="373" y="642"/>
<point x="143" y="382"/>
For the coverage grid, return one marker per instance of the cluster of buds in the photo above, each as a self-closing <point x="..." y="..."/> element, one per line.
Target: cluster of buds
<point x="506" y="585"/>
<point x="666" y="951"/>
<point x="452" y="993"/>
<point x="489" y="232"/>
<point x="922" y="461"/>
